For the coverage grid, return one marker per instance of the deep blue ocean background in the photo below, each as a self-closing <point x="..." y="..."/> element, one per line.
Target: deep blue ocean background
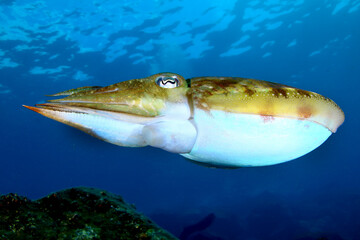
<point x="51" y="46"/>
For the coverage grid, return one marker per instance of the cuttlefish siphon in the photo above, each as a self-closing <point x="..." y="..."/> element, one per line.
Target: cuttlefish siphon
<point x="223" y="122"/>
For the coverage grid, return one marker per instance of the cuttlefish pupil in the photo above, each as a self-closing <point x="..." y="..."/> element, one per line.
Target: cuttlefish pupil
<point x="167" y="81"/>
<point x="215" y="121"/>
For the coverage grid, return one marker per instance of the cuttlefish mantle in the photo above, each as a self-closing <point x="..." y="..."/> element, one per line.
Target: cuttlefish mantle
<point x="215" y="121"/>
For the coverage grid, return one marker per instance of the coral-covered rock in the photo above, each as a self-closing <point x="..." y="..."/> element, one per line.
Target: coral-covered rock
<point x="76" y="213"/>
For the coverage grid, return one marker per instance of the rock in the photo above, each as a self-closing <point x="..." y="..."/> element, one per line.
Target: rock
<point x="76" y="213"/>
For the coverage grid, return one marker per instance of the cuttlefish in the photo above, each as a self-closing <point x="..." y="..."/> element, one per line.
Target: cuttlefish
<point x="223" y="122"/>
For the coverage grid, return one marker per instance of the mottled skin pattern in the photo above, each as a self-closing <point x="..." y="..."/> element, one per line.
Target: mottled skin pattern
<point x="241" y="95"/>
<point x="144" y="98"/>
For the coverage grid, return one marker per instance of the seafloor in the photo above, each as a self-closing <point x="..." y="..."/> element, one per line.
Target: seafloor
<point x="76" y="213"/>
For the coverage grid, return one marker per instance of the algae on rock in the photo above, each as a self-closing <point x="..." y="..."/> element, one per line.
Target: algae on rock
<point x="76" y="213"/>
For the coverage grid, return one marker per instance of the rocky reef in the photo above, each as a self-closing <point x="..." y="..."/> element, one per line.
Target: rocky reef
<point x="76" y="213"/>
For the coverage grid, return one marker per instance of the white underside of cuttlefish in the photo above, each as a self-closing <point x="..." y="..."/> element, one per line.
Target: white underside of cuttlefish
<point x="217" y="122"/>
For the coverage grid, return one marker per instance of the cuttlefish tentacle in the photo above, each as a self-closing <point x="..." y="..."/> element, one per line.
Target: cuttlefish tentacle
<point x="216" y="121"/>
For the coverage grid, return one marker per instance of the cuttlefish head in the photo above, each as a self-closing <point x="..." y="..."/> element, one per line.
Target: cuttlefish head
<point x="216" y="121"/>
<point x="132" y="113"/>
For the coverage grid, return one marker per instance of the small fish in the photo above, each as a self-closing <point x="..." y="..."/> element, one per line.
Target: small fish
<point x="224" y="122"/>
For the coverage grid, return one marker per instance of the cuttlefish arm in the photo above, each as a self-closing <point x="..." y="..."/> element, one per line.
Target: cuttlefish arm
<point x="221" y="122"/>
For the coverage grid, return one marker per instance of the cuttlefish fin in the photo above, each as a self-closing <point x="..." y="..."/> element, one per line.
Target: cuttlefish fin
<point x="75" y="91"/>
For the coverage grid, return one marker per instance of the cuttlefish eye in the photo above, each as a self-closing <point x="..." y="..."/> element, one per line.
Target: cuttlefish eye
<point x="167" y="81"/>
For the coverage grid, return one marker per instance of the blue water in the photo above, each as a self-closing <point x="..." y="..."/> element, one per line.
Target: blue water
<point x="51" y="46"/>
